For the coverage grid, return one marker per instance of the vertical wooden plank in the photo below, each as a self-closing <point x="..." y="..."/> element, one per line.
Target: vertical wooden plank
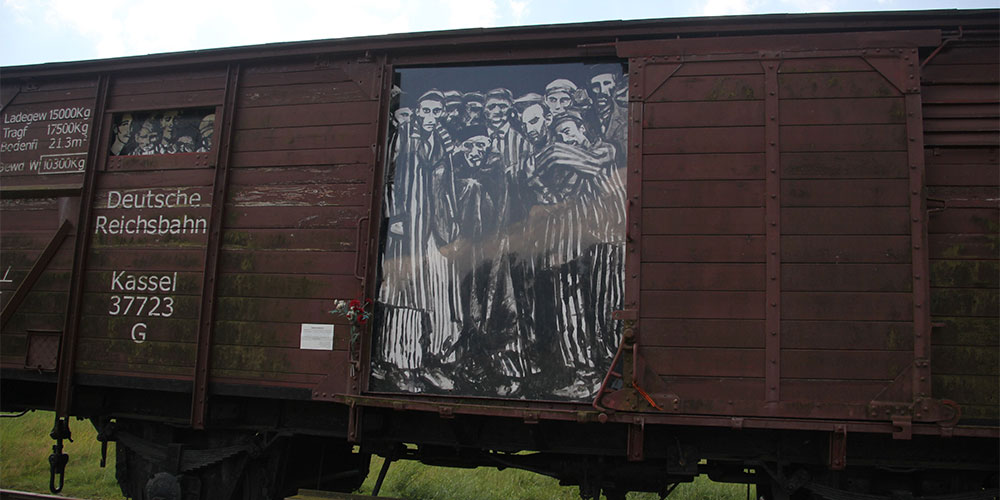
<point x="772" y="229"/>
<point x="74" y="306"/>
<point x="638" y="70"/>
<point x="206" y="313"/>
<point x="359" y="353"/>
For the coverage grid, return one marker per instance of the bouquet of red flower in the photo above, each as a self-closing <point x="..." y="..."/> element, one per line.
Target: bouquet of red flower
<point x="355" y="311"/>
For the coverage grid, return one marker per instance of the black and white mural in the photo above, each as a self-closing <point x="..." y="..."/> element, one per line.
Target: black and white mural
<point x="502" y="251"/>
<point x="168" y="131"/>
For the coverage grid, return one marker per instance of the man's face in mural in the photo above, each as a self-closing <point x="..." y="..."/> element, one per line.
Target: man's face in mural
<point x="124" y="128"/>
<point x="402" y="115"/>
<point x="147" y="135"/>
<point x="602" y="87"/>
<point x="167" y="123"/>
<point x="452" y="111"/>
<point x="496" y="111"/>
<point x="452" y="107"/>
<point x="207" y="128"/>
<point x="572" y="133"/>
<point x="473" y="112"/>
<point x="536" y="123"/>
<point x="429" y="113"/>
<point x="558" y="102"/>
<point x="474" y="149"/>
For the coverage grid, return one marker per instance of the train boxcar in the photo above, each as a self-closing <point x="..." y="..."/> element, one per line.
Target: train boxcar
<point x="621" y="254"/>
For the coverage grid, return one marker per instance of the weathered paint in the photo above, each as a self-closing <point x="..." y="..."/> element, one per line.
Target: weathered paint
<point x="961" y="286"/>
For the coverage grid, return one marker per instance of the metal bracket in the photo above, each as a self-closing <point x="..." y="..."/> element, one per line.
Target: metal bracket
<point x="353" y="422"/>
<point x="736" y="423"/>
<point x="446" y="412"/>
<point x="838" y="447"/>
<point x="939" y="205"/>
<point x="902" y="427"/>
<point x="940" y="411"/>
<point x="365" y="72"/>
<point x="899" y="67"/>
<point x="636" y="438"/>
<point x="358" y="261"/>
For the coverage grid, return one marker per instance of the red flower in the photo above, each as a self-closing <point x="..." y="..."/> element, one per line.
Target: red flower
<point x="354" y="304"/>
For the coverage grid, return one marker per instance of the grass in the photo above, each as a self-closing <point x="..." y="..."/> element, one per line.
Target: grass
<point x="25" y="446"/>
<point x="411" y="480"/>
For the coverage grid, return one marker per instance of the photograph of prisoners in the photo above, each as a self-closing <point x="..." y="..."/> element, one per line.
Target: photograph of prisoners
<point x="160" y="132"/>
<point x="503" y="231"/>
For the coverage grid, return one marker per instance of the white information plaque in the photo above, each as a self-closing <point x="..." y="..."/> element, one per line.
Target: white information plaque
<point x="317" y="337"/>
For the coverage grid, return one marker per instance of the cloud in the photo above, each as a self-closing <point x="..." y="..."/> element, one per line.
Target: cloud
<point x="471" y="13"/>
<point x="133" y="27"/>
<point x="519" y="9"/>
<point x="726" y="7"/>
<point x="21" y="10"/>
<point x="814" y="5"/>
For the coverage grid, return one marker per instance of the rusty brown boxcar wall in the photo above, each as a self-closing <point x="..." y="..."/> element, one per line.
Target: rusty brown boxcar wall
<point x="125" y="330"/>
<point x="301" y="183"/>
<point x="846" y="292"/>
<point x="32" y="209"/>
<point x="776" y="252"/>
<point x="703" y="228"/>
<point x="776" y="241"/>
<point x="961" y="108"/>
<point x="300" y="166"/>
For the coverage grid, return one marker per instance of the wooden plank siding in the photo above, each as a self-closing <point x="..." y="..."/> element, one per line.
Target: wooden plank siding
<point x="845" y="257"/>
<point x="301" y="172"/>
<point x="131" y="331"/>
<point x="702" y="271"/>
<point x="961" y="89"/>
<point x="846" y="277"/>
<point x="30" y="216"/>
<point x="301" y="179"/>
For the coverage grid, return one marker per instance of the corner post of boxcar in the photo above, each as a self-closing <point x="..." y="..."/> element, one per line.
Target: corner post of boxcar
<point x="74" y="305"/>
<point x="206" y="313"/>
<point x="366" y="267"/>
<point x="633" y="248"/>
<point x="633" y="187"/>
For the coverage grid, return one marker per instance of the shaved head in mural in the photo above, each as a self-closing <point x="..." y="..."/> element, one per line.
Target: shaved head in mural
<point x="430" y="109"/>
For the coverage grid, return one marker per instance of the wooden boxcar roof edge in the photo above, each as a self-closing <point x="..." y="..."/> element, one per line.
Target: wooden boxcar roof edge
<point x="588" y="33"/>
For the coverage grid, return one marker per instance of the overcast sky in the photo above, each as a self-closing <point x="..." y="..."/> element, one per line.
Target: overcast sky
<point x="37" y="31"/>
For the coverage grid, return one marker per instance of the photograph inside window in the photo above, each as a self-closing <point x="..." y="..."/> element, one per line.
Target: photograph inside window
<point x="161" y="132"/>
